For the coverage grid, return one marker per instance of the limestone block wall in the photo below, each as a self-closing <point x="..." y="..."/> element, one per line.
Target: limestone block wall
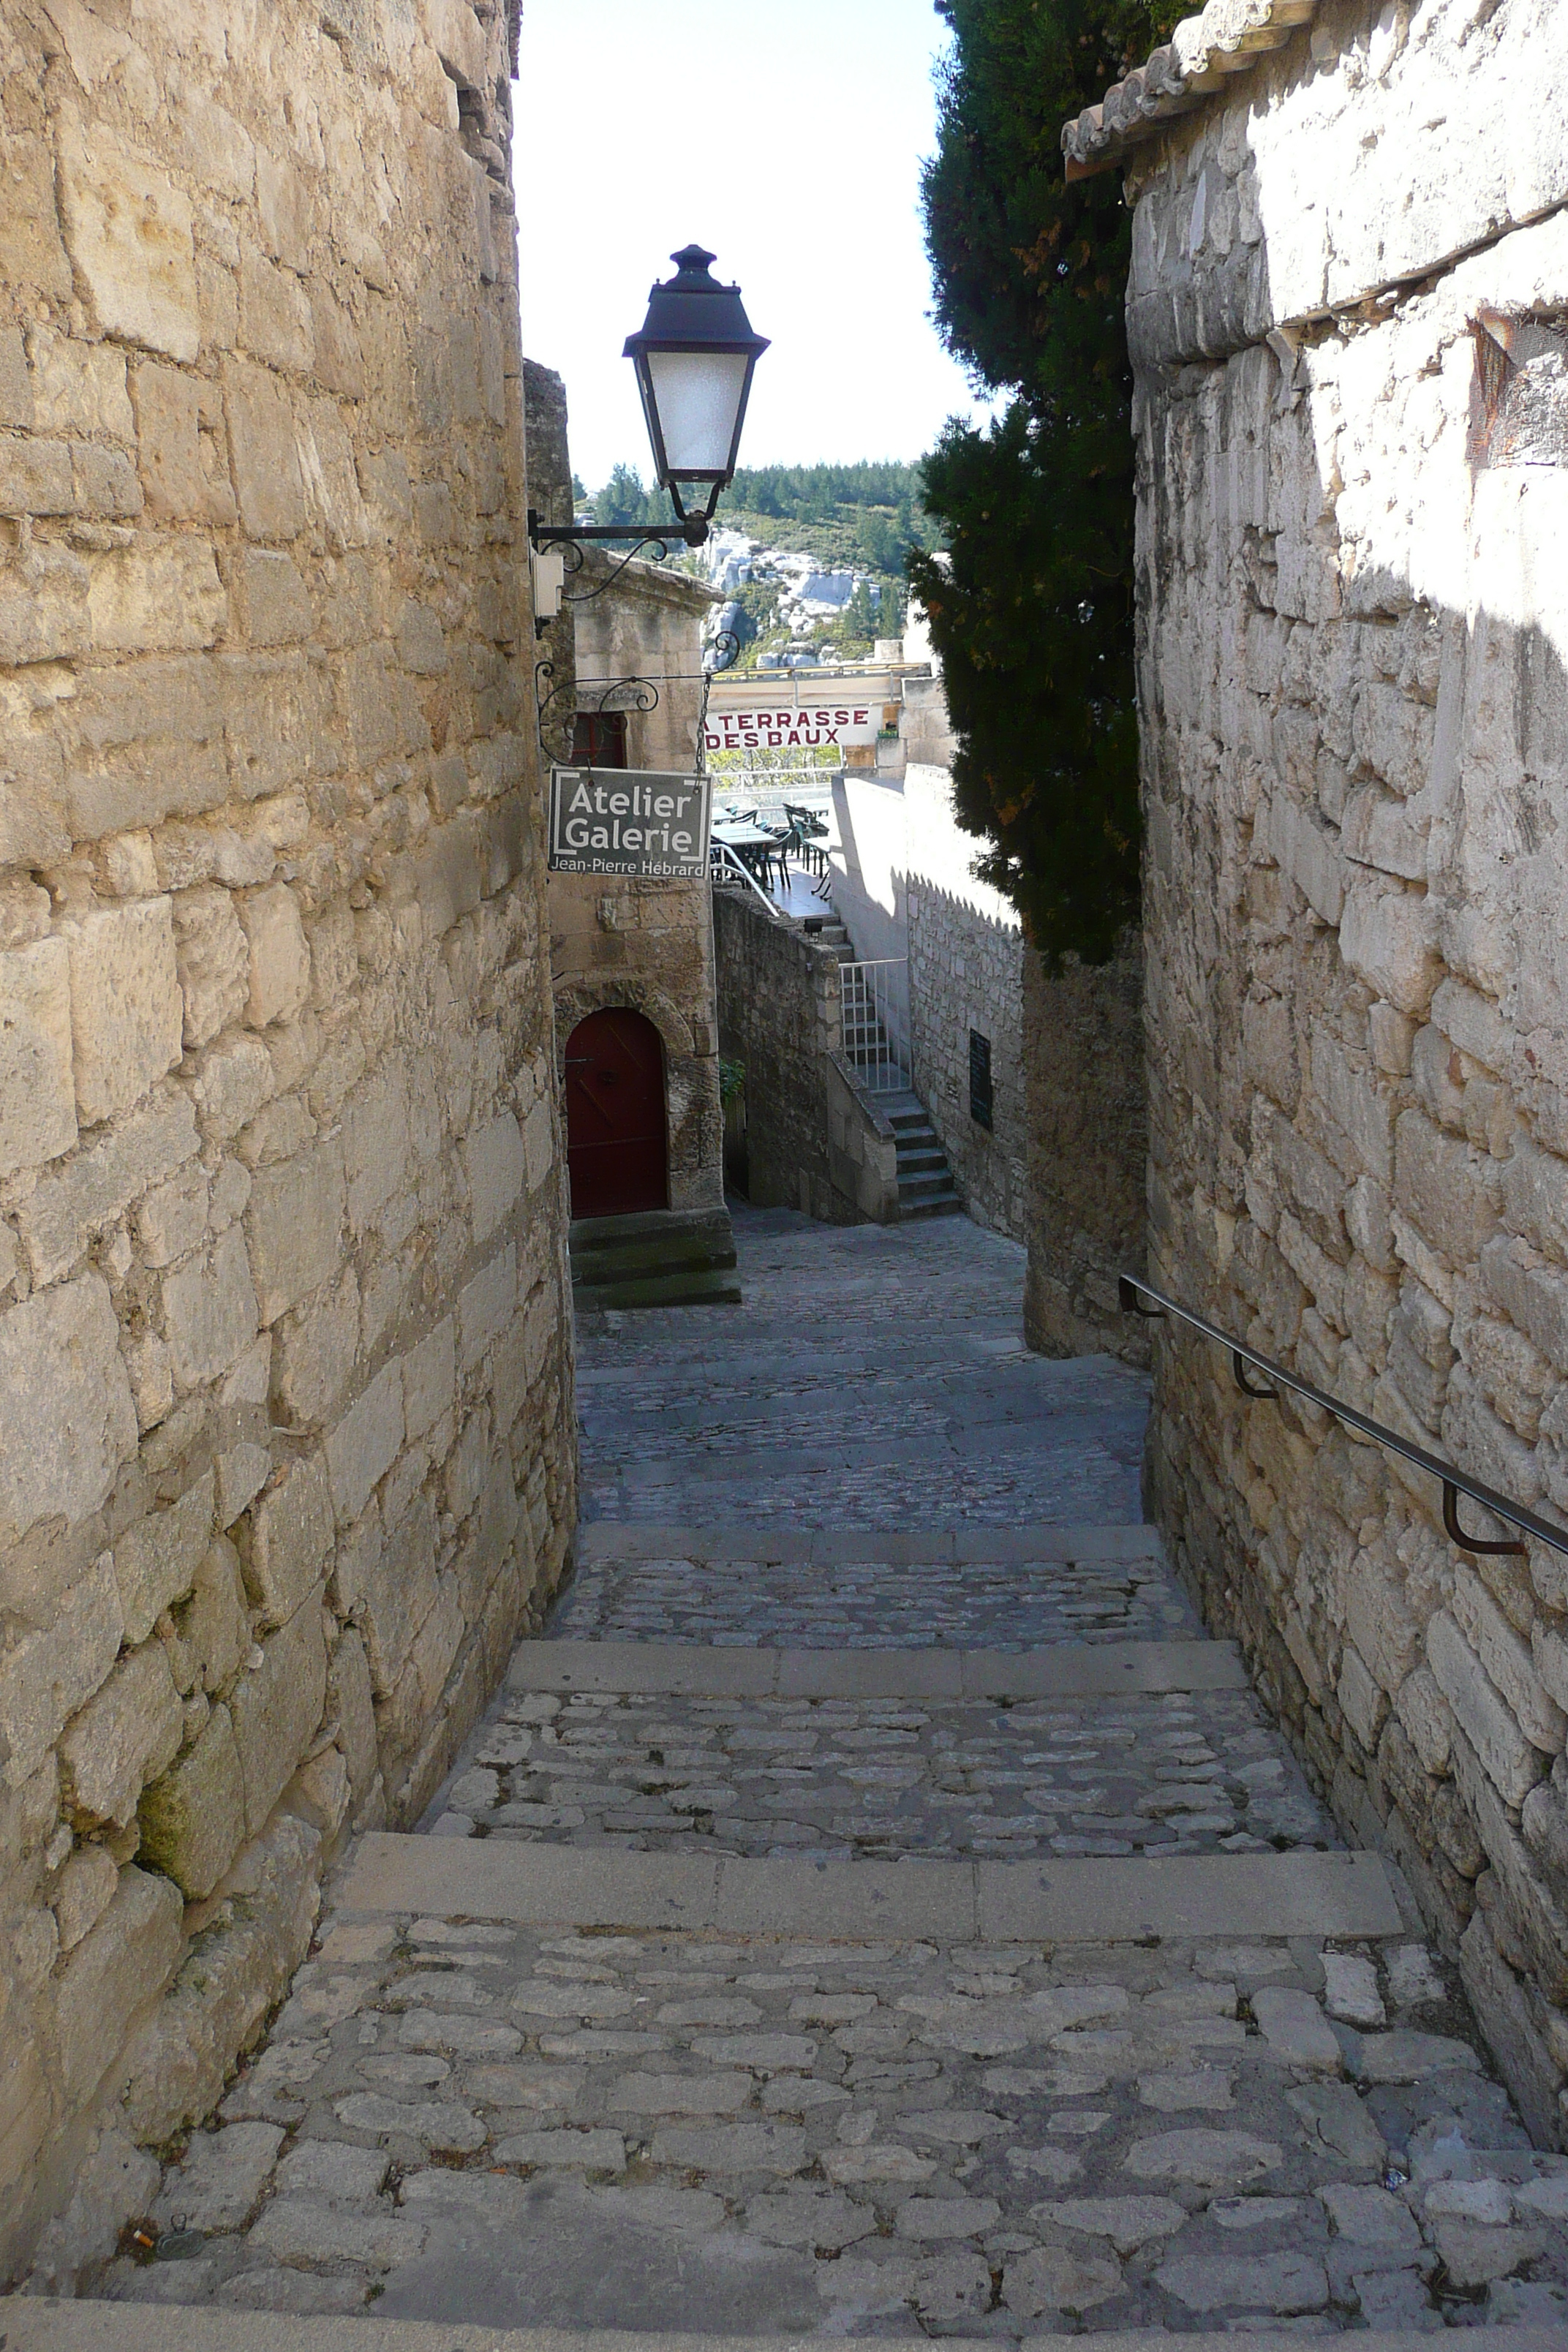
<point x="285" y="1376"/>
<point x="1350" y="317"/>
<point x="1087" y="1144"/>
<point x="779" y="1013"/>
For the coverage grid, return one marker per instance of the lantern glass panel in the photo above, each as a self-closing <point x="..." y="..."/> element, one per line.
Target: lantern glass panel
<point x="697" y="396"/>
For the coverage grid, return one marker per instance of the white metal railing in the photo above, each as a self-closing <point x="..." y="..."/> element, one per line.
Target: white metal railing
<point x="766" y="790"/>
<point x="873" y="1038"/>
<point x="725" y="871"/>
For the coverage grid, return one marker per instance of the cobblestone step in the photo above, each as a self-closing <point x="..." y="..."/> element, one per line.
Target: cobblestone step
<point x="127" y="2328"/>
<point x="605" y="1540"/>
<point x="691" y="1668"/>
<point x="1066" y="1902"/>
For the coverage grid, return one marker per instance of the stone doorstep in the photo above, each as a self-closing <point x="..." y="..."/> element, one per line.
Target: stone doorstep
<point x="1090" y="1901"/>
<point x="607" y="1539"/>
<point x="695" y="1670"/>
<point x="32" y="2324"/>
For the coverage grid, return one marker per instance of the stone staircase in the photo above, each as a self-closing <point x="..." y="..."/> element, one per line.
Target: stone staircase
<point x="853" y="1929"/>
<point x="926" y="1188"/>
<point x="664" y="1257"/>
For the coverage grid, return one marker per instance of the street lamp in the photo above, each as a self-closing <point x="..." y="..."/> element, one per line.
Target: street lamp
<point x="695" y="356"/>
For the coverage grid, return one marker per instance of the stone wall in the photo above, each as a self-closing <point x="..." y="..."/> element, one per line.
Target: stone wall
<point x="1086" y="1130"/>
<point x="1348" y="308"/>
<point x="966" y="974"/>
<point x="285" y="1379"/>
<point x="813" y="1140"/>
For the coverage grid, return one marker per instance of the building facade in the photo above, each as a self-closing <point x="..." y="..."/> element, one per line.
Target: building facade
<point x="286" y="1416"/>
<point x="625" y="690"/>
<point x="1347" y="314"/>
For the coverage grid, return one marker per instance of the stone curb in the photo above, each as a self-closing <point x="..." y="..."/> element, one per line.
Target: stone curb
<point x="695" y="1670"/>
<point x="36" y="2326"/>
<point x="606" y="1539"/>
<point x="1304" y="1893"/>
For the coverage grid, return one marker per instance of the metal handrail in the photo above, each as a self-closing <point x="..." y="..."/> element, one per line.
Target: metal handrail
<point x="721" y="856"/>
<point x="1454" y="1481"/>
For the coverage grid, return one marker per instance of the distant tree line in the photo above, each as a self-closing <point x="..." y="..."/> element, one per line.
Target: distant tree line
<point x="883" y="503"/>
<point x="1031" y="604"/>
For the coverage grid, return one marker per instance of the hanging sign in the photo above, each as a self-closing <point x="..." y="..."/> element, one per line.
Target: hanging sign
<point x="800" y="728"/>
<point x="640" y="821"/>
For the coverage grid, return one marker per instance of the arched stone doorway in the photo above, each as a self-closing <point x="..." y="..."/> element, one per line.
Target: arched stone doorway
<point x="616" y="1114"/>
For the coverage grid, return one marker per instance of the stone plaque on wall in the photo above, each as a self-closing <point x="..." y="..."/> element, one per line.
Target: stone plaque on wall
<point x="637" y="820"/>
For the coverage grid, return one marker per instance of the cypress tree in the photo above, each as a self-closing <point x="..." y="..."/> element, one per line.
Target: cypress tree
<point x="1031" y="606"/>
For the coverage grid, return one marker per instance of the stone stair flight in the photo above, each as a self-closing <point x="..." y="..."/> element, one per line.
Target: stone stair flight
<point x="839" y="1926"/>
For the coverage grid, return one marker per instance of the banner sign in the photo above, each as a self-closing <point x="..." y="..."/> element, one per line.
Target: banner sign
<point x="802" y="728"/>
<point x="641" y="820"/>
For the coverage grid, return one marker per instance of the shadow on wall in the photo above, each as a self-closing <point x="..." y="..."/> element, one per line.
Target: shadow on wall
<point x="1353" y="629"/>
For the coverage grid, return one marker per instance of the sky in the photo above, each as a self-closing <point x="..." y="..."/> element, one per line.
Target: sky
<point x="785" y="136"/>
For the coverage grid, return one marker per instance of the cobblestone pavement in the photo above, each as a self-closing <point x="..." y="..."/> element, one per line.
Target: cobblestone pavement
<point x="459" y="2119"/>
<point x="873" y="1605"/>
<point x="875" y="1376"/>
<point x="1179" y="1774"/>
<point x="666" y="2130"/>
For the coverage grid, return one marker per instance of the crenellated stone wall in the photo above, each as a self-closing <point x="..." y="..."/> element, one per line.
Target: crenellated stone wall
<point x="966" y="974"/>
<point x="1350" y="319"/>
<point x="286" y="1452"/>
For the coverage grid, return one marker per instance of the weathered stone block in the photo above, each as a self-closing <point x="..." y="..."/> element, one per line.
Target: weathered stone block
<point x="210" y="1311"/>
<point x="1483" y="1715"/>
<point x="100" y="1182"/>
<point x="173" y="1218"/>
<point x="274" y="598"/>
<point x="215" y="1626"/>
<point x="127" y="1013"/>
<point x="294" y="1223"/>
<point x="264" y="449"/>
<point x="429" y="1379"/>
<point x="349" y="1697"/>
<point x="1389" y="939"/>
<point x="314" y="1352"/>
<point x="47" y="1675"/>
<point x="276" y="1706"/>
<point x="376" y="1144"/>
<point x="290" y="1539"/>
<point x="487" y="1306"/>
<point x="37" y="1091"/>
<point x="160" y="599"/>
<point x="213" y="958"/>
<point x="155" y="1561"/>
<point x="86" y="1890"/>
<point x="1438" y="1184"/>
<point x="61" y="1364"/>
<point x="238" y="1972"/>
<point x="274" y="315"/>
<point x="29" y="222"/>
<point x="279" y="956"/>
<point x="365" y="1443"/>
<point x="128" y="229"/>
<point x="1535" y="1194"/>
<point x="497" y="1166"/>
<point x="398" y="1593"/>
<point x="193" y="1819"/>
<point x="122" y="1738"/>
<point x="112" y="1976"/>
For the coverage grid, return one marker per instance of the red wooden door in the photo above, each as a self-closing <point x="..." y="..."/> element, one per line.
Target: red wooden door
<point x="616" y="1116"/>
